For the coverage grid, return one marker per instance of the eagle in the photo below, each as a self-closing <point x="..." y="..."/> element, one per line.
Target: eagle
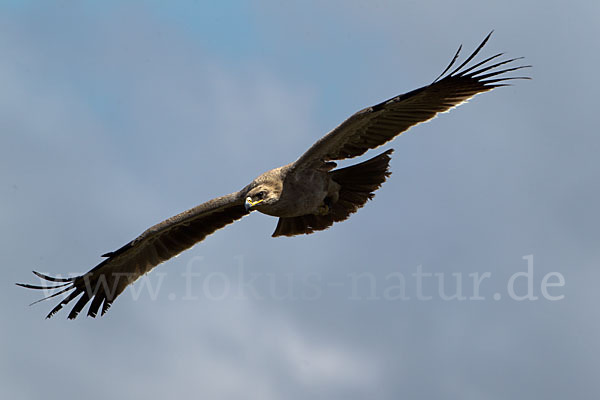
<point x="307" y="195"/>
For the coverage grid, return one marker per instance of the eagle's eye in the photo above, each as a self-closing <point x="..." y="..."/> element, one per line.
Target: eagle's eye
<point x="260" y="195"/>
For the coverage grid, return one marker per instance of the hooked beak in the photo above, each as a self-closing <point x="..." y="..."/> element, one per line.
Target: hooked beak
<point x="249" y="203"/>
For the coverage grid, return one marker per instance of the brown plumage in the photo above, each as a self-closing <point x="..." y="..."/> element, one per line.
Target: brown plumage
<point x="307" y="195"/>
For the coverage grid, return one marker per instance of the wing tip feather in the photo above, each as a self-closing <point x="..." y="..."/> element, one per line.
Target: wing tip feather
<point x="474" y="71"/>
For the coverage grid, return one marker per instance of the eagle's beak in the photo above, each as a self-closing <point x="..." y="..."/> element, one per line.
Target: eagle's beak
<point x="249" y="203"/>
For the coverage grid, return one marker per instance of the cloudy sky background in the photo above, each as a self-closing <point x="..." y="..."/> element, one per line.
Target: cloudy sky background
<point x="114" y="116"/>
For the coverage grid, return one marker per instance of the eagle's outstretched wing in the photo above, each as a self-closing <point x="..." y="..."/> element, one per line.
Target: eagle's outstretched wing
<point x="376" y="125"/>
<point x="122" y="267"/>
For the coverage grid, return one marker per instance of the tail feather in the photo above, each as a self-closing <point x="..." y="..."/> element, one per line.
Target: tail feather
<point x="358" y="184"/>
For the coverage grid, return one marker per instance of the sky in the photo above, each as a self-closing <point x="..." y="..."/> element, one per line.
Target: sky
<point x="473" y="273"/>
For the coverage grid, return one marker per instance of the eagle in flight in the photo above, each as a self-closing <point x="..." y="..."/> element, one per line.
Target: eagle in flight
<point x="308" y="195"/>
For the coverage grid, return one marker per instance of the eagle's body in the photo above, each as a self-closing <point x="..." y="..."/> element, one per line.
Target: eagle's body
<point x="299" y="192"/>
<point x="307" y="195"/>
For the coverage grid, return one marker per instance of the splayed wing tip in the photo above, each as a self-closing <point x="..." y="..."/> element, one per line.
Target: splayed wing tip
<point x="478" y="69"/>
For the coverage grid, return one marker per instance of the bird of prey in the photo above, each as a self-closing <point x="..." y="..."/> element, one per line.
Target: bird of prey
<point x="307" y="195"/>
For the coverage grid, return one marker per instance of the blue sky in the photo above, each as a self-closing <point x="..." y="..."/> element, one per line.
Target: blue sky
<point x="116" y="115"/>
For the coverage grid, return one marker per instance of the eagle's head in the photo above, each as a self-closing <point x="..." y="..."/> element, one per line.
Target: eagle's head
<point x="265" y="192"/>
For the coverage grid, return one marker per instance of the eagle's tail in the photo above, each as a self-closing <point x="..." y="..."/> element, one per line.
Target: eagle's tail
<point x="358" y="184"/>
